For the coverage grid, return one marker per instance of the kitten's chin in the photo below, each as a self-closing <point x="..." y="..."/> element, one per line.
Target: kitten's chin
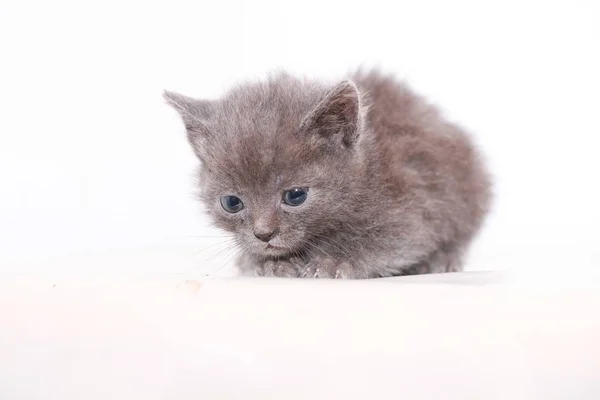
<point x="274" y="251"/>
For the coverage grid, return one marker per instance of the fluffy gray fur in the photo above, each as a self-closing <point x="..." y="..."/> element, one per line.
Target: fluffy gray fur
<point x="393" y="188"/>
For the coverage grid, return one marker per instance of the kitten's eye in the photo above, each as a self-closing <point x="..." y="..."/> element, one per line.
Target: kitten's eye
<point x="231" y="204"/>
<point x="295" y="196"/>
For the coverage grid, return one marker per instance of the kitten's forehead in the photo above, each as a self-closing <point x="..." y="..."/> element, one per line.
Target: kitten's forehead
<point x="279" y="104"/>
<point x="262" y="161"/>
<point x="257" y="142"/>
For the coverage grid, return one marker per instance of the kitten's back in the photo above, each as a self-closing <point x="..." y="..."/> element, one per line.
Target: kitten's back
<point x="429" y="162"/>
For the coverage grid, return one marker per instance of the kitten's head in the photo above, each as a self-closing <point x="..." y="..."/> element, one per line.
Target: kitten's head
<point x="279" y="160"/>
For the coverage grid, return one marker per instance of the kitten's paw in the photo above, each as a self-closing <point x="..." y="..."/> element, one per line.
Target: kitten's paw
<point x="324" y="269"/>
<point x="280" y="268"/>
<point x="266" y="269"/>
<point x="330" y="268"/>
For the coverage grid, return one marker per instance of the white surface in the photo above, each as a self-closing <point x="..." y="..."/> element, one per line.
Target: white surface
<point x="91" y="160"/>
<point x="96" y="184"/>
<point x="454" y="336"/>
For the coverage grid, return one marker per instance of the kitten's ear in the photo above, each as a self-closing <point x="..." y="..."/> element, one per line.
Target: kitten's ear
<point x="193" y="112"/>
<point x="337" y="117"/>
<point x="196" y="115"/>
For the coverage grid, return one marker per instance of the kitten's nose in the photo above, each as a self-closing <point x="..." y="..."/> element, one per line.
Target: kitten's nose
<point x="265" y="235"/>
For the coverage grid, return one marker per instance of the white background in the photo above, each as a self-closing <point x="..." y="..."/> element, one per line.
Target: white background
<point x="92" y="162"/>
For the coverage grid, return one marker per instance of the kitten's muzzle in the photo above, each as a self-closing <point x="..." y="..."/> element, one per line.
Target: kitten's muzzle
<point x="265" y="235"/>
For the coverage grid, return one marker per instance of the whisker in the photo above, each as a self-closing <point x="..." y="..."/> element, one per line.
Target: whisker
<point x="328" y="241"/>
<point x="209" y="236"/>
<point x="310" y="252"/>
<point x="233" y="253"/>
<point x="226" y="246"/>
<point x="223" y="243"/>
<point x="326" y="254"/>
<point x="334" y="242"/>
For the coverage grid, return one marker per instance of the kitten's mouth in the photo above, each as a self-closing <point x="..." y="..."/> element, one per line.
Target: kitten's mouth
<point x="272" y="248"/>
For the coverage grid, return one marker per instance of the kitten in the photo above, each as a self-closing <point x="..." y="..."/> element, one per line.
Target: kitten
<point x="361" y="179"/>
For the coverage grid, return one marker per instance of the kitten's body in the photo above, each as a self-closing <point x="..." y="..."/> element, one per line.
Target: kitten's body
<point x="392" y="187"/>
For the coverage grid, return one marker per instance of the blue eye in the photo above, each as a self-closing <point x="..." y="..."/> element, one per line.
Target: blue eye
<point x="295" y="197"/>
<point x="231" y="204"/>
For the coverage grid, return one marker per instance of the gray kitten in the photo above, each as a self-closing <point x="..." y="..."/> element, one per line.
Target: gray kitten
<point x="361" y="179"/>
